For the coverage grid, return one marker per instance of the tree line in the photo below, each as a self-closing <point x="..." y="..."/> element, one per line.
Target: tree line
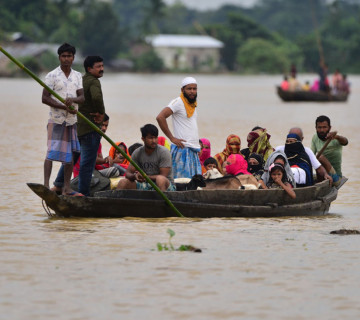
<point x="268" y="37"/>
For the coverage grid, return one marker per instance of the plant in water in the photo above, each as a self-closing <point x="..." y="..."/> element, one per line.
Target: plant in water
<point x="169" y="246"/>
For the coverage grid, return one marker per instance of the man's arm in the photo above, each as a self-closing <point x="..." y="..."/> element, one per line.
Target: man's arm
<point x="161" y="119"/>
<point x="342" y="140"/>
<point x="97" y="98"/>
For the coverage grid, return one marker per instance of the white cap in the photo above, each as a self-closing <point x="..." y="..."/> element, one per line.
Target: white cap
<point x="188" y="80"/>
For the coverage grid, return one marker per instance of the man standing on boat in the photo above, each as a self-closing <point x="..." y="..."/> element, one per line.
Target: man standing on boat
<point x="154" y="160"/>
<point x="185" y="140"/>
<point x="62" y="128"/>
<point x="332" y="155"/>
<point x="92" y="108"/>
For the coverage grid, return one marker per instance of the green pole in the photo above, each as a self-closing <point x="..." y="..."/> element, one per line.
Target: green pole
<point x="93" y="126"/>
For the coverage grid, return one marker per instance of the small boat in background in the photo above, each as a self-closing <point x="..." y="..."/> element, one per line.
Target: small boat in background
<point x="317" y="96"/>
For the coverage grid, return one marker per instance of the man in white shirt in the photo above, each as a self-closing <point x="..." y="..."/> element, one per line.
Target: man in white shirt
<point x="62" y="135"/>
<point x="320" y="170"/>
<point x="185" y="140"/>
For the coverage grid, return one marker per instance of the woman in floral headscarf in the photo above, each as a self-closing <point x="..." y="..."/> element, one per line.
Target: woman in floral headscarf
<point x="233" y="145"/>
<point x="258" y="142"/>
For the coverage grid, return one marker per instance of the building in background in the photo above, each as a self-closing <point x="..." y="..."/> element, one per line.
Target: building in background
<point x="187" y="52"/>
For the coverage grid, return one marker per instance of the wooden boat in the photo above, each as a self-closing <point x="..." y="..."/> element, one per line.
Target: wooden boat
<point x="314" y="200"/>
<point x="317" y="96"/>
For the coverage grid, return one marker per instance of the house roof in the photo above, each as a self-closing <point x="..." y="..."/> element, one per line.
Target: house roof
<point x="183" y="41"/>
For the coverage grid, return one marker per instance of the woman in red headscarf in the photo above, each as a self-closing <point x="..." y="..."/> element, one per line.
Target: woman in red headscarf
<point x="233" y="145"/>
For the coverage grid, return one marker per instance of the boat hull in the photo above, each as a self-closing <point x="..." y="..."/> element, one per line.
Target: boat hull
<point x="313" y="200"/>
<point x="310" y="96"/>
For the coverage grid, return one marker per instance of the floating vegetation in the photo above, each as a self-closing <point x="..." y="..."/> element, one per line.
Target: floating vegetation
<point x="345" y="231"/>
<point x="169" y="246"/>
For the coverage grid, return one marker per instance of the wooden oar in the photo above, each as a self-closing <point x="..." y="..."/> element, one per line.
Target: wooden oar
<point x="324" y="147"/>
<point x="93" y="126"/>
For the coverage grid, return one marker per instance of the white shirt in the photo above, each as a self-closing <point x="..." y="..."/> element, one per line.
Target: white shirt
<point x="314" y="161"/>
<point x="65" y="88"/>
<point x="184" y="127"/>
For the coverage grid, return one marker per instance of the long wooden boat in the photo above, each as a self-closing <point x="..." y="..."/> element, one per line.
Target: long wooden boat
<point x="314" y="200"/>
<point x="311" y="96"/>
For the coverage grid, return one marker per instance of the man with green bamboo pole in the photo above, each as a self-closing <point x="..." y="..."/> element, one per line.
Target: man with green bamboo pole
<point x="62" y="128"/>
<point x="31" y="74"/>
<point x="92" y="108"/>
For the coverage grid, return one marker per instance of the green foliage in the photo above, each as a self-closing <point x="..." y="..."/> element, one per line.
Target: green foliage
<point x="259" y="55"/>
<point x="97" y="38"/>
<point x="149" y="61"/>
<point x="170" y="247"/>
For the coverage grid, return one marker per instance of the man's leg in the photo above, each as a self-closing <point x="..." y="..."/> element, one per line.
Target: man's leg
<point x="47" y="172"/>
<point x="162" y="182"/>
<point x="67" y="169"/>
<point x="126" y="184"/>
<point x="59" y="181"/>
<point x="89" y="144"/>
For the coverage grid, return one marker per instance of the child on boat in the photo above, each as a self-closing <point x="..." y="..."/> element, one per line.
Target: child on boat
<point x="278" y="179"/>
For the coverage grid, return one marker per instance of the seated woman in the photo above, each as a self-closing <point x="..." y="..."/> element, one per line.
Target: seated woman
<point x="233" y="145"/>
<point x="299" y="160"/>
<point x="278" y="179"/>
<point x="256" y="165"/>
<point x="277" y="157"/>
<point x="119" y="161"/>
<point x="258" y="142"/>
<point x="205" y="152"/>
<point x="236" y="165"/>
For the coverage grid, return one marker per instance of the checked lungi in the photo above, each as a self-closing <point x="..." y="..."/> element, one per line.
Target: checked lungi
<point x="62" y="141"/>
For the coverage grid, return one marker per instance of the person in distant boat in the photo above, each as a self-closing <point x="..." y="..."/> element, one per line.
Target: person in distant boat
<point x="294" y="84"/>
<point x="336" y="80"/>
<point x="332" y="155"/>
<point x="285" y="84"/>
<point x="278" y="179"/>
<point x="185" y="139"/>
<point x="306" y="86"/>
<point x="293" y="70"/>
<point x="344" y="86"/>
<point x="154" y="160"/>
<point x="233" y="146"/>
<point x="62" y="124"/>
<point x="323" y="81"/>
<point x="320" y="170"/>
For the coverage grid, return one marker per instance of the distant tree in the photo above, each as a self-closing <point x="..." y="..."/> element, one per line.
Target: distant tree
<point x="259" y="55"/>
<point x="99" y="31"/>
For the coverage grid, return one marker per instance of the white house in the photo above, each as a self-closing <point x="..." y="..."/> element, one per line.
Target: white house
<point x="187" y="52"/>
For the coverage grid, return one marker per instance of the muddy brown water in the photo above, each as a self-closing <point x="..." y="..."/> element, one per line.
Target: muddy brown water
<point x="276" y="268"/>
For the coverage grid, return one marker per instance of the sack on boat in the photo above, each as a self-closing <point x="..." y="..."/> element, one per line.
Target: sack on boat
<point x="98" y="183"/>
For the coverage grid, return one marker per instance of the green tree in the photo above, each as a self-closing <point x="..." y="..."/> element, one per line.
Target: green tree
<point x="99" y="32"/>
<point x="259" y="55"/>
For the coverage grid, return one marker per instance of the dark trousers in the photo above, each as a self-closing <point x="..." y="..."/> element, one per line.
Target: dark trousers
<point x="89" y="145"/>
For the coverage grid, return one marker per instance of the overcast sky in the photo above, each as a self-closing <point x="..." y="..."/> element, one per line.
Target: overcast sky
<point x="212" y="4"/>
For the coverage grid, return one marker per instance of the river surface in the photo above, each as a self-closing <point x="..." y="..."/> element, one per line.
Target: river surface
<point x="275" y="268"/>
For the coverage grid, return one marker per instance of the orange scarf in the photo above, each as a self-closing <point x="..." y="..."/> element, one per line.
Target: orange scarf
<point x="189" y="107"/>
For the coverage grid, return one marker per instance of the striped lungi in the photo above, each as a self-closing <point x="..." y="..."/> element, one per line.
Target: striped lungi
<point x="62" y="141"/>
<point x="185" y="162"/>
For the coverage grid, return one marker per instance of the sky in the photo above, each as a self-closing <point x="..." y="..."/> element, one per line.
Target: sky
<point x="212" y="4"/>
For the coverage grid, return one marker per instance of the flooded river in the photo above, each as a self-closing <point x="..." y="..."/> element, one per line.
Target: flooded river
<point x="280" y="268"/>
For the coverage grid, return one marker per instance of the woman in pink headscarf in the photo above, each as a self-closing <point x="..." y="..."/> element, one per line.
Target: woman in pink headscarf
<point x="235" y="164"/>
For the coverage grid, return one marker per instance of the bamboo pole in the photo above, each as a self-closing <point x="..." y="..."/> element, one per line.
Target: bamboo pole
<point x="93" y="126"/>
